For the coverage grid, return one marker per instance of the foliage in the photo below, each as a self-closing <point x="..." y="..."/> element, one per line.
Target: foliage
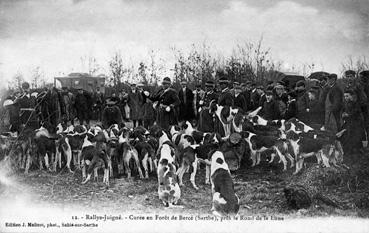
<point x="357" y="64"/>
<point x="16" y="82"/>
<point x="90" y="62"/>
<point x="249" y="61"/>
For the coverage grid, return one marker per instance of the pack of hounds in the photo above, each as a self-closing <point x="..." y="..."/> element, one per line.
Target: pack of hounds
<point x="170" y="153"/>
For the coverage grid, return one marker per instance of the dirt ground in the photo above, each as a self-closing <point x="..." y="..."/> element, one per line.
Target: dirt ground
<point x="260" y="190"/>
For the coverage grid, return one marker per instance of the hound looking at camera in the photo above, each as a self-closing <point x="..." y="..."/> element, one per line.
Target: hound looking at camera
<point x="168" y="189"/>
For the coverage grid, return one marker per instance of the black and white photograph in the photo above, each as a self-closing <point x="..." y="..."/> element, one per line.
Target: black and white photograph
<point x="184" y="116"/>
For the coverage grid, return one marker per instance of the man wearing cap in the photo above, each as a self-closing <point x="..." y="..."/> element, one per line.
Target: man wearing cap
<point x="135" y="103"/>
<point x="239" y="99"/>
<point x="225" y="97"/>
<point x="168" y="103"/>
<point x="333" y="103"/>
<point x="186" y="106"/>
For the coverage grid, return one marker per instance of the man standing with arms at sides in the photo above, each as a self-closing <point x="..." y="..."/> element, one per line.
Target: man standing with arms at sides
<point x="333" y="105"/>
<point x="168" y="103"/>
<point x="135" y="103"/>
<point x="186" y="97"/>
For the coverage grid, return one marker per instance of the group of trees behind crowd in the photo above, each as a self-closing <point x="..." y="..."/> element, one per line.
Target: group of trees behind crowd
<point x="247" y="62"/>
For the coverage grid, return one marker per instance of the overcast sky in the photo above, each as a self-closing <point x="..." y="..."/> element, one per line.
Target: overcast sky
<point x="54" y="34"/>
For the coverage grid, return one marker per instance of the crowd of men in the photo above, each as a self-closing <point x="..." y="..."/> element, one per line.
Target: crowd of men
<point x="324" y="106"/>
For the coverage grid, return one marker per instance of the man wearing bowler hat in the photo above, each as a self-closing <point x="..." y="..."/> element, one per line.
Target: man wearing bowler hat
<point x="168" y="103"/>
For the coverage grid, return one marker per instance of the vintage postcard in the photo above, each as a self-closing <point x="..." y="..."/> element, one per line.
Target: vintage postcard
<point x="184" y="116"/>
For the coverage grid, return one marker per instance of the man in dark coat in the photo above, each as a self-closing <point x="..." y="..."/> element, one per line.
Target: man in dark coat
<point x="302" y="100"/>
<point x="314" y="109"/>
<point x="111" y="114"/>
<point x="353" y="123"/>
<point x="210" y="94"/>
<point x="270" y="110"/>
<point x="186" y="106"/>
<point x="239" y="99"/>
<point x="56" y="106"/>
<point x="291" y="106"/>
<point x="255" y="95"/>
<point x="280" y="96"/>
<point x="168" y="103"/>
<point x="136" y="101"/>
<point x="98" y="103"/>
<point x="333" y="104"/>
<point x="226" y="97"/>
<point x="83" y="106"/>
<point x="246" y="92"/>
<point x="206" y="118"/>
<point x="364" y="89"/>
<point x="26" y="104"/>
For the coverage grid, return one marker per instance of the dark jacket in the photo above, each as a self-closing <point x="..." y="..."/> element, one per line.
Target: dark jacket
<point x="240" y="102"/>
<point x="291" y="110"/>
<point x="255" y="100"/>
<point x="135" y="102"/>
<point x="335" y="96"/>
<point x="247" y="95"/>
<point x="166" y="98"/>
<point x="226" y="98"/>
<point x="315" y="115"/>
<point x="302" y="103"/>
<point x="209" y="96"/>
<point x="186" y="109"/>
<point x="270" y="110"/>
